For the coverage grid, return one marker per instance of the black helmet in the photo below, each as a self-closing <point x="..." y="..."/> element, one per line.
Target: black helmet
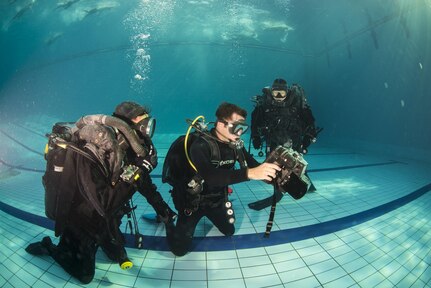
<point x="279" y="84"/>
<point x="128" y="110"/>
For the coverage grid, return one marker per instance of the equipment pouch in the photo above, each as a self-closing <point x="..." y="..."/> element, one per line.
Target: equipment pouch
<point x="130" y="174"/>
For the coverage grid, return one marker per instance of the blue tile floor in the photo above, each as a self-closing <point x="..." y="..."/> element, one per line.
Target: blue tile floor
<point x="367" y="225"/>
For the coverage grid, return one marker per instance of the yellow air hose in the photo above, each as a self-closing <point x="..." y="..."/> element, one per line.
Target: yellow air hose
<point x="186" y="139"/>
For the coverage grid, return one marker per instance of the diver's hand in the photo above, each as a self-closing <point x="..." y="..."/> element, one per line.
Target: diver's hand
<point x="145" y="163"/>
<point x="265" y="171"/>
<point x="148" y="162"/>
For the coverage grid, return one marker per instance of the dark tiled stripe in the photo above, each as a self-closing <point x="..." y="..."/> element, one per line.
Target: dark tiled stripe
<point x="316" y="230"/>
<point x="26" y="216"/>
<point x="21" y="144"/>
<point x="332" y="168"/>
<point x="219" y="243"/>
<point x="331" y="154"/>
<point x="352" y="166"/>
<point x="20" y="167"/>
<point x="30" y="130"/>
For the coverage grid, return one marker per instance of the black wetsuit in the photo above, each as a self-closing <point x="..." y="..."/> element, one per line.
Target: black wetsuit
<point x="83" y="230"/>
<point x="281" y="122"/>
<point x="286" y="123"/>
<point x="213" y="196"/>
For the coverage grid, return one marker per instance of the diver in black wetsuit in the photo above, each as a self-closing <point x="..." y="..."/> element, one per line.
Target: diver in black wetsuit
<point x="282" y="117"/>
<point x="107" y="159"/>
<point x="213" y="201"/>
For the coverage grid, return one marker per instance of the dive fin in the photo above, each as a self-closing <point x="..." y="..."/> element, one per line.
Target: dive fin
<point x="265" y="203"/>
<point x="312" y="188"/>
<point x="150" y="217"/>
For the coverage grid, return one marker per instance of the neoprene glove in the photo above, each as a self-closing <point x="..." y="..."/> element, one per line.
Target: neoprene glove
<point x="256" y="142"/>
<point x="149" y="162"/>
<point x="144" y="163"/>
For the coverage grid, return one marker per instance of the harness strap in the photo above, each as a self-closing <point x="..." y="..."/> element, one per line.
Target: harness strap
<point x="85" y="189"/>
<point x="215" y="151"/>
<point x="241" y="158"/>
<point x="271" y="217"/>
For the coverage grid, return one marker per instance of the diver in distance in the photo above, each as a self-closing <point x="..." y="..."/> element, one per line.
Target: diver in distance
<point x="281" y="117"/>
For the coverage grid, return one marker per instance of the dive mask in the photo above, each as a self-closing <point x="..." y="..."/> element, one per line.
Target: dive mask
<point x="236" y="128"/>
<point x="279" y="95"/>
<point x="146" y="126"/>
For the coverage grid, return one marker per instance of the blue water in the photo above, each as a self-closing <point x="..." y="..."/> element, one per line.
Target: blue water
<point x="365" y="65"/>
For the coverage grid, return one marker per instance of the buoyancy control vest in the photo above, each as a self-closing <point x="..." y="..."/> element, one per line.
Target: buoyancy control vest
<point x="280" y="122"/>
<point x="82" y="174"/>
<point x="178" y="172"/>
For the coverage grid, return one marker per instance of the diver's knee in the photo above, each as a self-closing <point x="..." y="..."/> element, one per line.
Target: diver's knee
<point x="229" y="231"/>
<point x="179" y="252"/>
<point x="180" y="247"/>
<point x="85" y="279"/>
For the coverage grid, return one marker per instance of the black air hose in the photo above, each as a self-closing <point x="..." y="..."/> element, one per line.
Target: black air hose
<point x="124" y="128"/>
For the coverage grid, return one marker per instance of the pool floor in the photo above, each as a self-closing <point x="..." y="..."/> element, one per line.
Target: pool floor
<point x="367" y="225"/>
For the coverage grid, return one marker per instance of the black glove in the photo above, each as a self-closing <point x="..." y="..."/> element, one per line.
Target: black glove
<point x="144" y="163"/>
<point x="305" y="143"/>
<point x="164" y="213"/>
<point x="148" y="162"/>
<point x="167" y="216"/>
<point x="257" y="142"/>
<point x="152" y="155"/>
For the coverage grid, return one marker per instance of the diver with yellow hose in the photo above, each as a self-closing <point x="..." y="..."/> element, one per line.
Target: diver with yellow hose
<point x="203" y="190"/>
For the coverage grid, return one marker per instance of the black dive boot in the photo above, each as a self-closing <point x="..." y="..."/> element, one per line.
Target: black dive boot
<point x="118" y="254"/>
<point x="40" y="248"/>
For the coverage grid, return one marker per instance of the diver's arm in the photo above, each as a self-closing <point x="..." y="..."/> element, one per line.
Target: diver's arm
<point x="265" y="171"/>
<point x="200" y="155"/>
<point x="255" y="122"/>
<point x="308" y="126"/>
<point x="251" y="162"/>
<point x="307" y="116"/>
<point x="147" y="189"/>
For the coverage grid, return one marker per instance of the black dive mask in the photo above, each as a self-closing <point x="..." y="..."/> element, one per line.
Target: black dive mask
<point x="279" y="95"/>
<point x="146" y="126"/>
<point x="236" y="128"/>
